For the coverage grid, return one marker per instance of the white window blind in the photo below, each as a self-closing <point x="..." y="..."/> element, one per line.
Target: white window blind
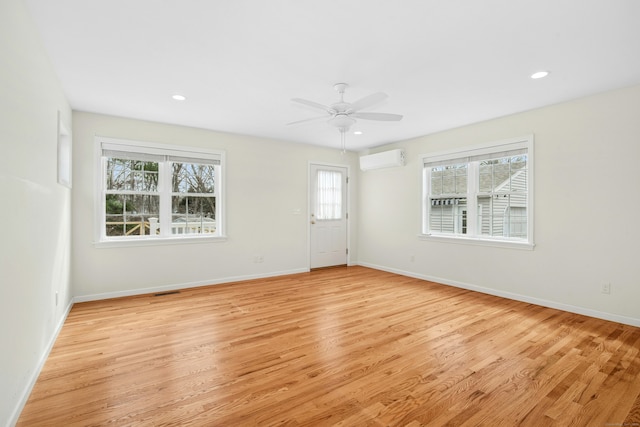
<point x="475" y="155"/>
<point x="154" y="153"/>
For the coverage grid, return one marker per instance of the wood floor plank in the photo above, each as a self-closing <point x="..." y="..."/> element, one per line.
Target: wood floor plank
<point x="347" y="346"/>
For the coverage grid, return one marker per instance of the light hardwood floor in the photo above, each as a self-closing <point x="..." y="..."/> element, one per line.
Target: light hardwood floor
<point x="346" y="346"/>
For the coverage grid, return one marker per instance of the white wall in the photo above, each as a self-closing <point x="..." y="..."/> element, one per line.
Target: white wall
<point x="35" y="211"/>
<point x="586" y="205"/>
<point x="266" y="182"/>
<point x="586" y="188"/>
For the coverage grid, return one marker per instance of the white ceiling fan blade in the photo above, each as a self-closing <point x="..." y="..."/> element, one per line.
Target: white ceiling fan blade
<point x="312" y="119"/>
<point x="313" y="104"/>
<point x="368" y="101"/>
<point x="387" y="117"/>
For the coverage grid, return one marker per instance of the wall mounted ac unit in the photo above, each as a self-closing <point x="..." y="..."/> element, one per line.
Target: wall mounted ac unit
<point x="386" y="159"/>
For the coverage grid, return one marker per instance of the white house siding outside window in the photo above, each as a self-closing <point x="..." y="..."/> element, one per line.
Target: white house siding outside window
<point x="481" y="194"/>
<point x="152" y="192"/>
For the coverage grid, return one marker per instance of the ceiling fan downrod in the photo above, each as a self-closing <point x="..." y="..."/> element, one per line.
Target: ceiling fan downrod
<point x="341" y="88"/>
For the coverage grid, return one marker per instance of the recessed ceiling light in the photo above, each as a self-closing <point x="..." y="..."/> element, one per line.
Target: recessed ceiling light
<point x="179" y="97"/>
<point x="358" y="132"/>
<point x="539" y="74"/>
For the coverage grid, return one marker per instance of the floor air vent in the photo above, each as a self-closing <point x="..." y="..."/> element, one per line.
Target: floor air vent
<point x="161" y="294"/>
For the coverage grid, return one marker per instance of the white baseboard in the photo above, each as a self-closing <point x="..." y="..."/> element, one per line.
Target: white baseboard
<point x="186" y="285"/>
<point x="24" y="396"/>
<point x="513" y="296"/>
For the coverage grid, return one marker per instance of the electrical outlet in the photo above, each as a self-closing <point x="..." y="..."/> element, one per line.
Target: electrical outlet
<point x="606" y="288"/>
<point x="56" y="298"/>
<point x="412" y="258"/>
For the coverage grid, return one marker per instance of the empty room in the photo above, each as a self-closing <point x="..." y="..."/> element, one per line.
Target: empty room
<point x="319" y="213"/>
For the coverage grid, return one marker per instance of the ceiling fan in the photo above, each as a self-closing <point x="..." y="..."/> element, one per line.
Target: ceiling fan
<point x="342" y="115"/>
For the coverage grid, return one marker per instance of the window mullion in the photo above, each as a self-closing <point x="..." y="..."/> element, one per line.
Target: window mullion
<point x="217" y="188"/>
<point x="426" y="200"/>
<point x="164" y="190"/>
<point x="102" y="208"/>
<point x="472" y="198"/>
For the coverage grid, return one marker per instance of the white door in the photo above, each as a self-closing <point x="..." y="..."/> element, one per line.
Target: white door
<point x="328" y="215"/>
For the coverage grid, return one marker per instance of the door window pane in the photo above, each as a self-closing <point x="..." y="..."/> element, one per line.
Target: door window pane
<point x="329" y="195"/>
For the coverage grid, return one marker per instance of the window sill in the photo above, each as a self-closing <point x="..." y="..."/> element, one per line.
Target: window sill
<point x="157" y="241"/>
<point x="510" y="244"/>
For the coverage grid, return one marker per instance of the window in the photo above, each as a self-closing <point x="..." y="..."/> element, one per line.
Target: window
<point x="151" y="191"/>
<point x="481" y="194"/>
<point x="329" y="195"/>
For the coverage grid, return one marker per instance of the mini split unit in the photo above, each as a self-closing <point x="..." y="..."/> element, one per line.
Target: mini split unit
<point x="385" y="159"/>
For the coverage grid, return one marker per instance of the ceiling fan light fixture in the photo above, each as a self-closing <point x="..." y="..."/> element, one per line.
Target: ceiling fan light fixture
<point x="342" y="122"/>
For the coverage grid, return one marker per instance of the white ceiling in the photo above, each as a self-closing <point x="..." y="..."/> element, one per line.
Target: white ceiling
<point x="239" y="62"/>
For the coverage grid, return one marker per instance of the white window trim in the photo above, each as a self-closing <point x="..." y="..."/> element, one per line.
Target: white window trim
<point x="490" y="148"/>
<point x="101" y="242"/>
